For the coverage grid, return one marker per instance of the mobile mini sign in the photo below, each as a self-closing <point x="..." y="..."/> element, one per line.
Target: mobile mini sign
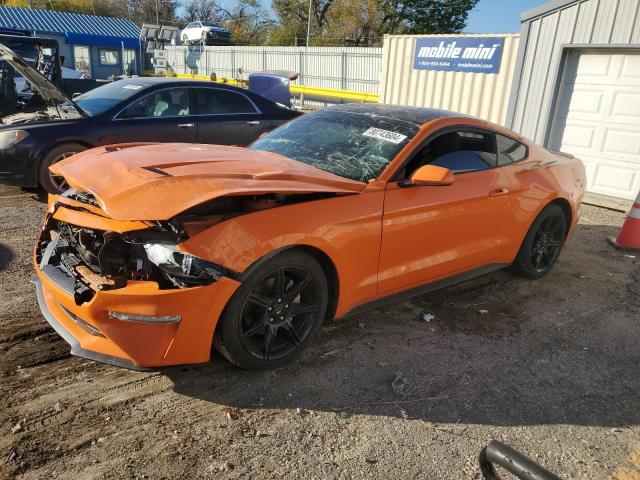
<point x="459" y="54"/>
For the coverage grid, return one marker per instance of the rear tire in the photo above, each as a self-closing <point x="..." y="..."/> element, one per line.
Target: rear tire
<point x="275" y="312"/>
<point x="48" y="181"/>
<point x="543" y="243"/>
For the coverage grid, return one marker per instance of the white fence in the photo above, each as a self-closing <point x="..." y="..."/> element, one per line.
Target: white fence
<point x="345" y="68"/>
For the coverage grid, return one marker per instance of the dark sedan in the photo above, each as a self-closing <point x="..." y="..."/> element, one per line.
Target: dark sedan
<point x="129" y="110"/>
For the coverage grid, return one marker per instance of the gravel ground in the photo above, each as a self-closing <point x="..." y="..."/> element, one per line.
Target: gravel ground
<point x="549" y="367"/>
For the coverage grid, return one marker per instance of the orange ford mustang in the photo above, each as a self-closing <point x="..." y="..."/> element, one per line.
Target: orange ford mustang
<point x="160" y="252"/>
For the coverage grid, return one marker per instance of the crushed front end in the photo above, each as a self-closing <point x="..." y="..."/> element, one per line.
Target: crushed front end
<point x="122" y="292"/>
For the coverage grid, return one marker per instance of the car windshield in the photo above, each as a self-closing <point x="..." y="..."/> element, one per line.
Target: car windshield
<point x="358" y="146"/>
<point x="208" y="24"/>
<point x="99" y="100"/>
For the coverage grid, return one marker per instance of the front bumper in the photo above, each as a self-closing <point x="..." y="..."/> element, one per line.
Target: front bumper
<point x="134" y="343"/>
<point x="93" y="334"/>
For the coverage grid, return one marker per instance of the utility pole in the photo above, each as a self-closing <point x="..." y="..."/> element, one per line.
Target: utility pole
<point x="309" y="23"/>
<point x="157" y="16"/>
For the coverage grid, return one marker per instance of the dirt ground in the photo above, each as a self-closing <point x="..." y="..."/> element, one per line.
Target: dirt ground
<point x="549" y="367"/>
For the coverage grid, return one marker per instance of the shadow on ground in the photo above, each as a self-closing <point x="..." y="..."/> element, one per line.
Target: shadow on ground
<point x="37" y="193"/>
<point x="6" y="256"/>
<point x="563" y="350"/>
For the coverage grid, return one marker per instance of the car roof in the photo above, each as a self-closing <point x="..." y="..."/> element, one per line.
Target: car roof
<point x="149" y="81"/>
<point x="415" y="115"/>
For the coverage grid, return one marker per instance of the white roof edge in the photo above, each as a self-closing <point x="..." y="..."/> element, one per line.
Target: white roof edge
<point x="545" y="9"/>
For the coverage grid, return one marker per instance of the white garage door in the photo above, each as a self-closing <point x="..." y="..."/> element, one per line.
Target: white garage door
<point x="598" y="119"/>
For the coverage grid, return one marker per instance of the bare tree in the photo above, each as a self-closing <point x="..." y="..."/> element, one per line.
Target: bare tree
<point x="203" y="10"/>
<point x="249" y="23"/>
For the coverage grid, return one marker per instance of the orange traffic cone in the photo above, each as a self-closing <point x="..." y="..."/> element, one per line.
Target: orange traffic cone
<point x="629" y="235"/>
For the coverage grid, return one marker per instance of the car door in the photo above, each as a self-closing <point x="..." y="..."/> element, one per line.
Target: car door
<point x="195" y="32"/>
<point x="188" y="32"/>
<point x="227" y="117"/>
<point x="184" y="34"/>
<point x="432" y="232"/>
<point x="161" y="116"/>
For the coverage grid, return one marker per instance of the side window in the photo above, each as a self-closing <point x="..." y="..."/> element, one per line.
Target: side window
<point x="216" y="101"/>
<point x="509" y="150"/>
<point x="108" y="56"/>
<point x="458" y="150"/>
<point x="165" y="103"/>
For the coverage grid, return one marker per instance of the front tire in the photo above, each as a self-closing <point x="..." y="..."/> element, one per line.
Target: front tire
<point x="53" y="183"/>
<point x="543" y="243"/>
<point x="274" y="313"/>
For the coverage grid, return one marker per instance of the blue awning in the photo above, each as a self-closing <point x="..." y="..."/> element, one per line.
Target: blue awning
<point x="101" y="40"/>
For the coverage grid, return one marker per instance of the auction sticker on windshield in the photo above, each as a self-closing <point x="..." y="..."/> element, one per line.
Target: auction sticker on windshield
<point x="385" y="135"/>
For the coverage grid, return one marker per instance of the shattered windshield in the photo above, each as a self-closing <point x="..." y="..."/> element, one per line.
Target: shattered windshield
<point x="353" y="145"/>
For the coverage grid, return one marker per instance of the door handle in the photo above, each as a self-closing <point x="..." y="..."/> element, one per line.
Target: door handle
<point x="498" y="191"/>
<point x="186" y="125"/>
<point x="253" y="122"/>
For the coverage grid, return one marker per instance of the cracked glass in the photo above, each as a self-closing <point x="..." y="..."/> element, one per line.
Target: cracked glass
<point x="358" y="146"/>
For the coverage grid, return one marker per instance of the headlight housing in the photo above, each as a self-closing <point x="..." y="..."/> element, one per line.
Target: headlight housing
<point x="181" y="268"/>
<point x="9" y="138"/>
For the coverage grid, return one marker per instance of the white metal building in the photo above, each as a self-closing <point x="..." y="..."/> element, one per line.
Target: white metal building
<point x="576" y="88"/>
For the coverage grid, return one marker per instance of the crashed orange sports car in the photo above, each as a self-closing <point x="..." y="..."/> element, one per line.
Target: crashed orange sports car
<point x="159" y="253"/>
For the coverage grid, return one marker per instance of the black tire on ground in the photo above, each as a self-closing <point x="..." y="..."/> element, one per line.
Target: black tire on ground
<point x="542" y="244"/>
<point x="47" y="181"/>
<point x="274" y="313"/>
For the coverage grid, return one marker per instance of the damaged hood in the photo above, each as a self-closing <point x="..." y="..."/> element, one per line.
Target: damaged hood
<point x="51" y="94"/>
<point x="159" y="181"/>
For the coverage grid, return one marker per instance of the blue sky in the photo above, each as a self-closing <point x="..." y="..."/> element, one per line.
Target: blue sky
<point x="489" y="16"/>
<point x="498" y="16"/>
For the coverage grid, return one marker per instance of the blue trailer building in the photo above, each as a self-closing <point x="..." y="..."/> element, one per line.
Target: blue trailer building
<point x="101" y="46"/>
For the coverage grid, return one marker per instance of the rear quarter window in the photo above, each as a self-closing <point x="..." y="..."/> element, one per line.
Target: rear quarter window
<point x="509" y="150"/>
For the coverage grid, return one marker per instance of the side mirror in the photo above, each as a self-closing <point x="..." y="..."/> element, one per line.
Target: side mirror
<point x="429" y="175"/>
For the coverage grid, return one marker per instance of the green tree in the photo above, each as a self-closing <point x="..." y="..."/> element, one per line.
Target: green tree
<point x="364" y="22"/>
<point x="425" y="16"/>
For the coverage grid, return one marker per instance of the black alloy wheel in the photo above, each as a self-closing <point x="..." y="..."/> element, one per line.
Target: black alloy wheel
<point x="543" y="243"/>
<point x="547" y="243"/>
<point x="279" y="313"/>
<point x="274" y="313"/>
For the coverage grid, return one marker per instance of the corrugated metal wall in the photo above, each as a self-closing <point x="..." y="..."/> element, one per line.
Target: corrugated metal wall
<point x="583" y="22"/>
<point x="479" y="94"/>
<point x="346" y="68"/>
